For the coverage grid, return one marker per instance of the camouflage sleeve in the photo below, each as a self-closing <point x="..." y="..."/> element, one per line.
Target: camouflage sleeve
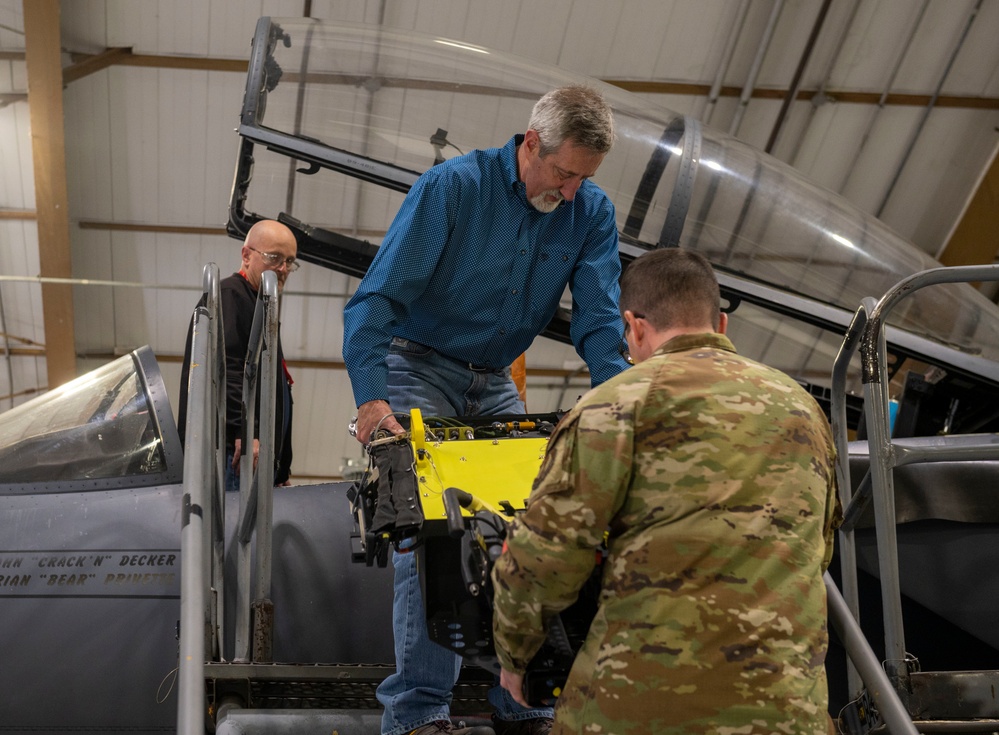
<point x="551" y="548"/>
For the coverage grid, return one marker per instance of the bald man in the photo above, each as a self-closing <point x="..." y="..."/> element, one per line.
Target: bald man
<point x="269" y="246"/>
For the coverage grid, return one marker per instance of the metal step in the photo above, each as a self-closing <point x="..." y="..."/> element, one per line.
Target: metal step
<point x="955" y="696"/>
<point x="334" y="687"/>
<point x="297" y="722"/>
<point x="938" y="702"/>
<point x="321" y="722"/>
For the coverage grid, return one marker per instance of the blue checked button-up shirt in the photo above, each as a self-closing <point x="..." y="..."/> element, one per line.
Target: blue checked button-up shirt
<point x="471" y="269"/>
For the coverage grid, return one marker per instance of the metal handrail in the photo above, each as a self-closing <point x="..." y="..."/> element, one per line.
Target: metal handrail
<point x="837" y="410"/>
<point x="862" y="656"/>
<point x="882" y="451"/>
<point x="256" y="493"/>
<point x="198" y="617"/>
<point x="868" y="327"/>
<point x="202" y="539"/>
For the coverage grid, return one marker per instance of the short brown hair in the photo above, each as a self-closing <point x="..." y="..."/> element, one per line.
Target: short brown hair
<point x="671" y="288"/>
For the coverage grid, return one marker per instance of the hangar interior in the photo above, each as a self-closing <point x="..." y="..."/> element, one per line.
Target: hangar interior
<point x="118" y="150"/>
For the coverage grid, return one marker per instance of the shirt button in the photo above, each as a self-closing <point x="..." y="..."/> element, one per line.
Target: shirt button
<point x="523" y="251"/>
<point x="502" y="331"/>
<point x="514" y="292"/>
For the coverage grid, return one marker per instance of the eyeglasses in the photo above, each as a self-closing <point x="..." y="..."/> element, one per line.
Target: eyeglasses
<point x="623" y="347"/>
<point x="276" y="260"/>
<point x="625" y="353"/>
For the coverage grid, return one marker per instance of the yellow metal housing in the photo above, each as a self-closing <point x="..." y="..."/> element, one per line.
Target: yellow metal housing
<point x="493" y="470"/>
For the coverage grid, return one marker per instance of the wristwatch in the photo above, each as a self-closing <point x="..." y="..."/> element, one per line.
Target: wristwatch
<point x="352" y="427"/>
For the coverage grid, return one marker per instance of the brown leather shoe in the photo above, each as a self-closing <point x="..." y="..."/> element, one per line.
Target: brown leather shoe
<point x="535" y="726"/>
<point x="434" y="728"/>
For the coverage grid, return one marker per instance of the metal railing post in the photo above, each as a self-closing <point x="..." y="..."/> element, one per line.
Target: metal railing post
<point x="256" y="487"/>
<point x="882" y="451"/>
<point x="847" y="544"/>
<point x="890" y="706"/>
<point x="263" y="607"/>
<point x="196" y="614"/>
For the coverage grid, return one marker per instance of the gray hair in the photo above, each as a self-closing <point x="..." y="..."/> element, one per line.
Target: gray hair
<point x="576" y="113"/>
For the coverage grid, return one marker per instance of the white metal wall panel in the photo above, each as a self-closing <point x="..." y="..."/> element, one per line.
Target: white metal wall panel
<point x="183" y="27"/>
<point x="181" y="145"/>
<point x="541" y="36"/>
<point x="134" y="309"/>
<point x="587" y="39"/>
<point x="825" y="155"/>
<point x="17" y="175"/>
<point x="871" y="49"/>
<point x="867" y="183"/>
<point x="224" y="97"/>
<point x="323" y="406"/>
<point x="932" y="188"/>
<point x="132" y="24"/>
<point x="134" y="123"/>
<point x="93" y="306"/>
<point x="170" y="308"/>
<point x="787" y="44"/>
<point x="11" y="18"/>
<point x="312" y="326"/>
<point x="7" y="77"/>
<point x="976" y="69"/>
<point x="690" y="48"/>
<point x="22" y="300"/>
<point x="757" y="122"/>
<point x="491" y="24"/>
<point x="440" y="19"/>
<point x="88" y="135"/>
<point x="938" y="36"/>
<point x="83" y="24"/>
<point x="346" y="11"/>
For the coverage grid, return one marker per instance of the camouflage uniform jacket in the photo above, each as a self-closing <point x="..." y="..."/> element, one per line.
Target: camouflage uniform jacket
<point x="714" y="478"/>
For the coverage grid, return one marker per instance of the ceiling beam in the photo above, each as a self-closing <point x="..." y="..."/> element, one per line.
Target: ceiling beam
<point x="125" y="57"/>
<point x="198" y="230"/>
<point x="139" y="227"/>
<point x="48" y="148"/>
<point x="18" y="214"/>
<point x="90" y="64"/>
<point x="9" y="98"/>
<point x="804" y="95"/>
<point x="87" y="64"/>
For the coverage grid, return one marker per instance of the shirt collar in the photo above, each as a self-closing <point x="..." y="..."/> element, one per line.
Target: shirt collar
<point x="508" y="161"/>
<point x="684" y="342"/>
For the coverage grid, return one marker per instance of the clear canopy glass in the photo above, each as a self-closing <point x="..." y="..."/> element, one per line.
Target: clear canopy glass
<point x="99" y="426"/>
<point x="405" y="100"/>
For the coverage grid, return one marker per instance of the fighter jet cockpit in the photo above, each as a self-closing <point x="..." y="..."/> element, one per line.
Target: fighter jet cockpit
<point x="109" y="428"/>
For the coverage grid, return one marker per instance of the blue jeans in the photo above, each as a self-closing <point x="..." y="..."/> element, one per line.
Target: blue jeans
<point x="231" y="478"/>
<point x="419" y="692"/>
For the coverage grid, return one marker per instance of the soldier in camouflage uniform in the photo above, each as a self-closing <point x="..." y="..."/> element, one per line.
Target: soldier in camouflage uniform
<point x="713" y="477"/>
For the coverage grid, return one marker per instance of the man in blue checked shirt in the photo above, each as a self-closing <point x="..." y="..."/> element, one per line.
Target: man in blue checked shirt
<point x="469" y="273"/>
